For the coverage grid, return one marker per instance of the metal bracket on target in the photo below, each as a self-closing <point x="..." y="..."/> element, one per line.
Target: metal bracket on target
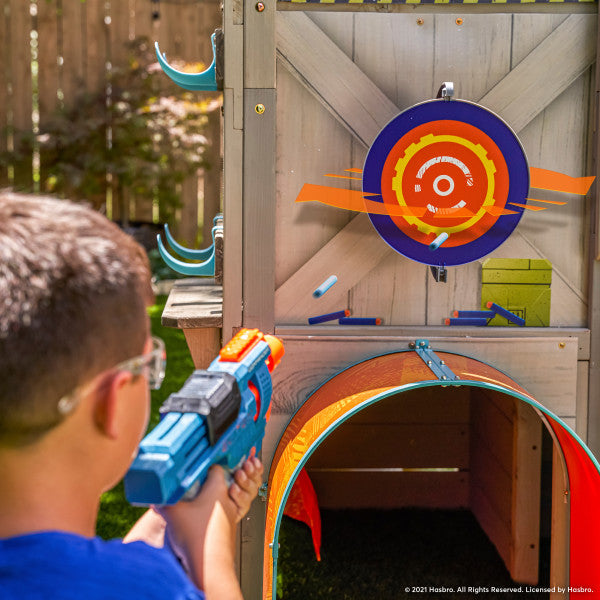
<point x="446" y="90"/>
<point x="440" y="274"/>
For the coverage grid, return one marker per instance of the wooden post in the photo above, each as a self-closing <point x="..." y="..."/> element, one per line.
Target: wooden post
<point x="212" y="175"/>
<point x="526" y="481"/>
<point x="559" y="545"/>
<point x="258" y="259"/>
<point x="204" y="345"/>
<point x="233" y="160"/>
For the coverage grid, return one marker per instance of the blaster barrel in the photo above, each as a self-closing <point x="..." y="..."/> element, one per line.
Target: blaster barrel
<point x="218" y="417"/>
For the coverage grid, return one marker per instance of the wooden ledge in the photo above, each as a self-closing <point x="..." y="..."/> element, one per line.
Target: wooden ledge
<point x="194" y="303"/>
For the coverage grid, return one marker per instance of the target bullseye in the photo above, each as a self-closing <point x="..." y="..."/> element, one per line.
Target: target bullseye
<point x="436" y="185"/>
<point x="452" y="166"/>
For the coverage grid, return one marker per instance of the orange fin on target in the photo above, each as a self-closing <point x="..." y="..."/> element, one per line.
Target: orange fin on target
<point x="354" y="200"/>
<point x="543" y="179"/>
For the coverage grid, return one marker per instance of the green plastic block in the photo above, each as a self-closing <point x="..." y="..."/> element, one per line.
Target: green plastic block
<point x="520" y="285"/>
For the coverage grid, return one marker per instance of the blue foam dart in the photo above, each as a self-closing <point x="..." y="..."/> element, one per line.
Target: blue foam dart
<point x="499" y="310"/>
<point x="468" y="321"/>
<point x="328" y="317"/>
<point x="206" y="268"/>
<point x="478" y="314"/>
<point x="359" y="321"/>
<point x="192" y="253"/>
<point x="205" y="81"/>
<point x="439" y="240"/>
<point x="325" y="286"/>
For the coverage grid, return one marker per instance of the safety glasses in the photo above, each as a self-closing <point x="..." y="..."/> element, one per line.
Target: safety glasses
<point x="151" y="365"/>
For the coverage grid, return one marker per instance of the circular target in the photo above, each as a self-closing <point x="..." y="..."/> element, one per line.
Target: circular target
<point x="447" y="167"/>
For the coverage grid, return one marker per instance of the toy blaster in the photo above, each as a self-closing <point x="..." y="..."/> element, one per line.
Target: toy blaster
<point x="218" y="417"/>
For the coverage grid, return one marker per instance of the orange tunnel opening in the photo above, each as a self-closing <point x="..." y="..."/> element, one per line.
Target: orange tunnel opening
<point x="364" y="384"/>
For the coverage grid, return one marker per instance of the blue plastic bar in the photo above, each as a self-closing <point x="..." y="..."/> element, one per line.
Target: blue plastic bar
<point x="360" y="321"/>
<point x="439" y="240"/>
<point x="499" y="310"/>
<point x="328" y="317"/>
<point x="325" y="286"/>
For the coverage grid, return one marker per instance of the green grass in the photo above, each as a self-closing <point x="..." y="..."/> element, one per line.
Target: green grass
<point x="116" y="515"/>
<point x="380" y="553"/>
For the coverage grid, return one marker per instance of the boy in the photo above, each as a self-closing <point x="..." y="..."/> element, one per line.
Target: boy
<point x="76" y="360"/>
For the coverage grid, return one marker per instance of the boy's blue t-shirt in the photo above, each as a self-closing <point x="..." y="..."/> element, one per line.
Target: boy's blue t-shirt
<point x="64" y="566"/>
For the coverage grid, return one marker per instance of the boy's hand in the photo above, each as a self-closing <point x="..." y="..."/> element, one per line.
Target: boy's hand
<point x="203" y="530"/>
<point x="246" y="483"/>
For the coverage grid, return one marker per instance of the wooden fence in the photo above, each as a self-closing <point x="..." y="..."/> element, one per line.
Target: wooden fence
<point x="77" y="43"/>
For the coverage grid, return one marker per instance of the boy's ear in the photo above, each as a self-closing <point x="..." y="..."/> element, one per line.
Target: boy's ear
<point x="108" y="398"/>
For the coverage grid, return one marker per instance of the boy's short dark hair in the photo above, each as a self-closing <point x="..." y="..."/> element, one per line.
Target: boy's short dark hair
<point x="73" y="296"/>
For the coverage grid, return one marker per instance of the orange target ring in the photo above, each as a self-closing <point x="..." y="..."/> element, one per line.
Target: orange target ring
<point x="452" y="169"/>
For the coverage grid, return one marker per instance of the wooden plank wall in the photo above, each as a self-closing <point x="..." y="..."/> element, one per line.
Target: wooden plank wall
<point x="506" y="449"/>
<point x="384" y="456"/>
<point x="77" y="42"/>
<point x="407" y="56"/>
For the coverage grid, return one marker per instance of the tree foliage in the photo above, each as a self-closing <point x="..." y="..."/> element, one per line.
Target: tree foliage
<point x="140" y="136"/>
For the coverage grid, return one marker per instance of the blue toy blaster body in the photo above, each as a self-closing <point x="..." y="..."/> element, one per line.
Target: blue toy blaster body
<point x="218" y="417"/>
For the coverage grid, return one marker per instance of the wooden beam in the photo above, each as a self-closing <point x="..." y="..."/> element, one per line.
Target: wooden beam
<point x="350" y="255"/>
<point x="332" y="77"/>
<point x="313" y="359"/>
<point x="545" y="72"/>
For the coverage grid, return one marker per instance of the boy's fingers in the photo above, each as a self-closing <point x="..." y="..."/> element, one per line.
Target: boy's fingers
<point x="241" y="478"/>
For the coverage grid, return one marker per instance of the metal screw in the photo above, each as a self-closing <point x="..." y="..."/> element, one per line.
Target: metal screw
<point x="429" y="362"/>
<point x="561" y="344"/>
<point x="420" y="21"/>
<point x="444" y="378"/>
<point x="260" y="6"/>
<point x="262" y="492"/>
<point x="412" y="345"/>
<point x="260" y="109"/>
<point x="459" y="21"/>
<point x="442" y="362"/>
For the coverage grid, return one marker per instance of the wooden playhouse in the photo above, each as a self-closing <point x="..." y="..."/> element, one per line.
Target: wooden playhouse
<point x="308" y="87"/>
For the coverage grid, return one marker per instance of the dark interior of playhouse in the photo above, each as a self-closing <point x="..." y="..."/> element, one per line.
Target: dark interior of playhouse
<point x="417" y="489"/>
